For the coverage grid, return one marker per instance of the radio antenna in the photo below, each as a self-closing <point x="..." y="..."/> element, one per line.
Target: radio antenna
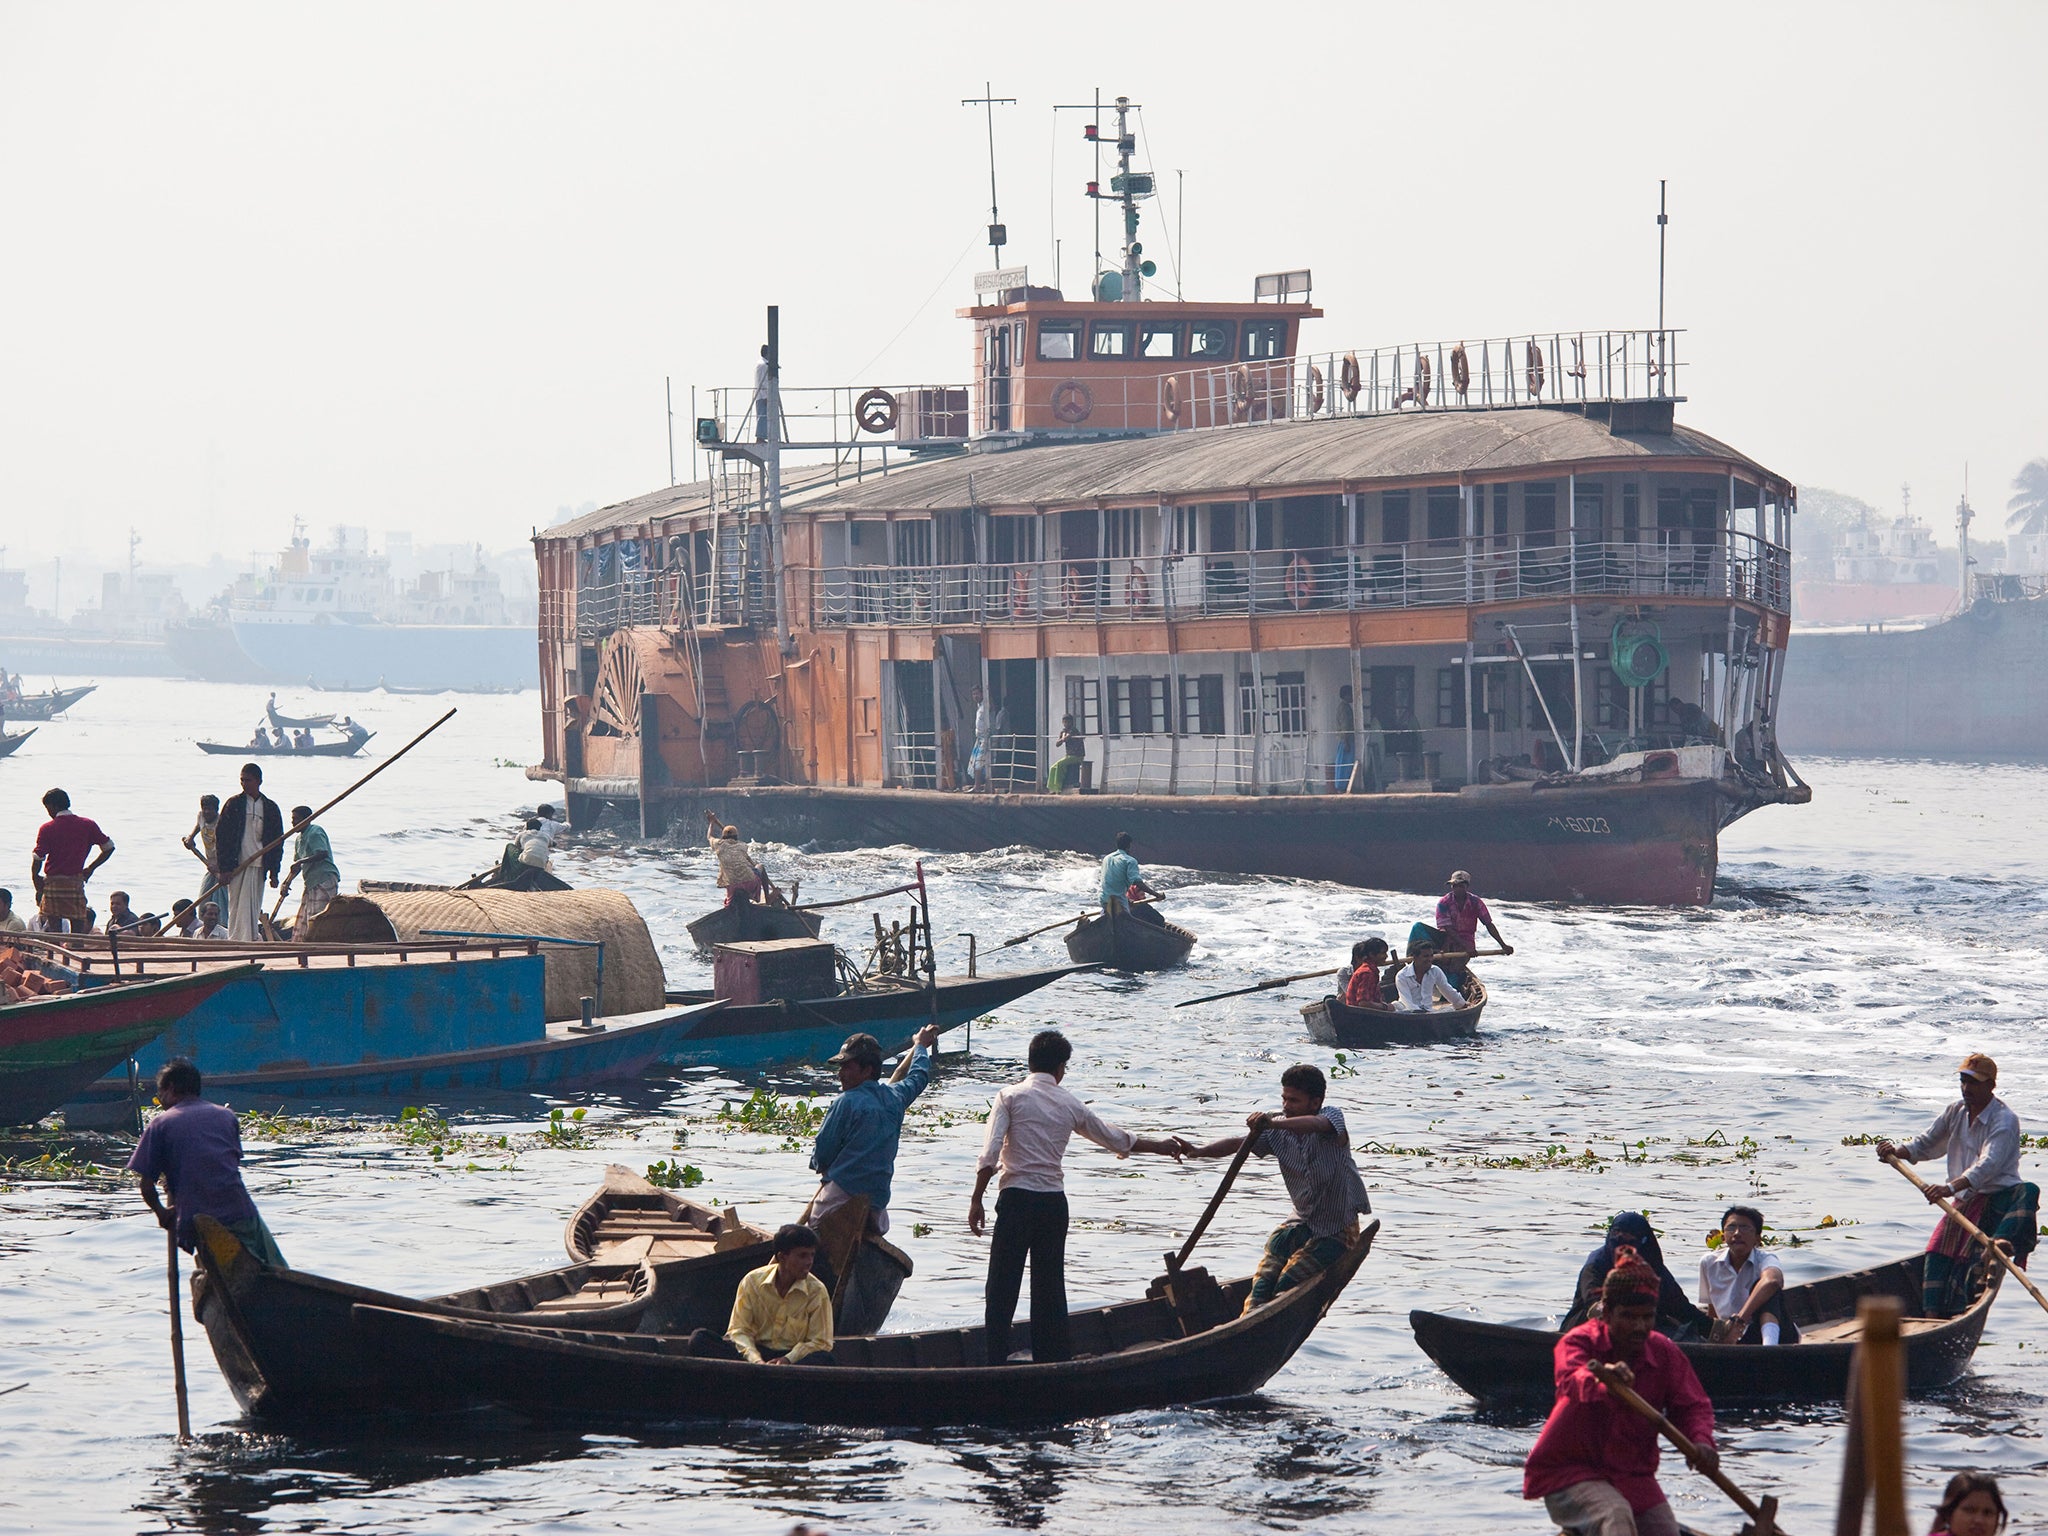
<point x="998" y="237"/>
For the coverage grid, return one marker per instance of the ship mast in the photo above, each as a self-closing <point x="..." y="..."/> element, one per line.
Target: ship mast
<point x="1125" y="187"/>
<point x="1963" y="517"/>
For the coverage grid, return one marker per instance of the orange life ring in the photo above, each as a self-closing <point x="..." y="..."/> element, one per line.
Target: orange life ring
<point x="1137" y="589"/>
<point x="1315" y="389"/>
<point x="1170" y="401"/>
<point x="1534" y="354"/>
<point x="1347" y="378"/>
<point x="1070" y="587"/>
<point x="1461" y="370"/>
<point x="1020" y="590"/>
<point x="1240" y="393"/>
<point x="1073" y="402"/>
<point x="1301" y="581"/>
<point x="1421" y="379"/>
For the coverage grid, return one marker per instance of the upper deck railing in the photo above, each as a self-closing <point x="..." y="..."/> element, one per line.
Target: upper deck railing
<point x="1455" y="572"/>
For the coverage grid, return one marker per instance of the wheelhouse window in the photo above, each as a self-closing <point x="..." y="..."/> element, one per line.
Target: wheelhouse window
<point x="1109" y="341"/>
<point x="1264" y="338"/>
<point x="1209" y="340"/>
<point x="1059" y="341"/>
<point x="1160" y="342"/>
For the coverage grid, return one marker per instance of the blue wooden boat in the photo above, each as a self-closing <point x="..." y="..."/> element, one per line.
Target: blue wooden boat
<point x="758" y="1037"/>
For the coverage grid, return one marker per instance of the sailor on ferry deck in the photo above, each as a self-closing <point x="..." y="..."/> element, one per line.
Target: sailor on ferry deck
<point x="855" y="1154"/>
<point x="977" y="756"/>
<point x="1422" y="983"/>
<point x="738" y="875"/>
<point x="1120" y="878"/>
<point x="1364" y="987"/>
<point x="250" y="824"/>
<point x="1981" y="1136"/>
<point x="1073" y="752"/>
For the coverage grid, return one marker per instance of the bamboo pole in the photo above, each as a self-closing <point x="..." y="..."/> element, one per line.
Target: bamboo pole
<point x="1969" y="1226"/>
<point x="1174" y="1261"/>
<point x="1764" y="1515"/>
<point x="1882" y="1390"/>
<point x="177" y="1334"/>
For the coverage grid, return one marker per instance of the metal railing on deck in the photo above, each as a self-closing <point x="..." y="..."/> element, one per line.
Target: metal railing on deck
<point x="1445" y="573"/>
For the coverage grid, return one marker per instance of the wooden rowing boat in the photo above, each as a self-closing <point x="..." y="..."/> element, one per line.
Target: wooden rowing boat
<point x="46" y="706"/>
<point x="1130" y="1356"/>
<point x="1331" y="1022"/>
<point x="53" y="1048"/>
<point x="750" y="922"/>
<point x="1127" y="943"/>
<point x="626" y="1208"/>
<point x="10" y="744"/>
<point x="296" y="722"/>
<point x="1500" y="1364"/>
<point x="347" y="747"/>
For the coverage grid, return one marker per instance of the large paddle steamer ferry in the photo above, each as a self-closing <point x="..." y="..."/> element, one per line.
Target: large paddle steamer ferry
<point x="1359" y="615"/>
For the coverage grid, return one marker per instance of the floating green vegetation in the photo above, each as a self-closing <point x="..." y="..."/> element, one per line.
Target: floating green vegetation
<point x="668" y="1175"/>
<point x="564" y="1130"/>
<point x="768" y="1114"/>
<point x="58" y="1164"/>
<point x="1384" y="1149"/>
<point x="1556" y="1155"/>
<point x="920" y="1229"/>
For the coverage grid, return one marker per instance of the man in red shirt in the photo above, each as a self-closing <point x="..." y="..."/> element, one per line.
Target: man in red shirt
<point x="1595" y="1464"/>
<point x="1459" y="915"/>
<point x="59" y="868"/>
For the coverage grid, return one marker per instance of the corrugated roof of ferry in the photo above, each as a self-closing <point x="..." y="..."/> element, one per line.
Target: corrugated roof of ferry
<point x="1225" y="463"/>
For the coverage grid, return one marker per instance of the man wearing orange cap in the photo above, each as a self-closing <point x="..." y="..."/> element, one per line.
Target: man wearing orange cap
<point x="1981" y="1136"/>
<point x="1595" y="1464"/>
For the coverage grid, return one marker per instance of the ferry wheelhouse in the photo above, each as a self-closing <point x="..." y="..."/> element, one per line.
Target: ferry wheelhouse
<point x="1363" y="615"/>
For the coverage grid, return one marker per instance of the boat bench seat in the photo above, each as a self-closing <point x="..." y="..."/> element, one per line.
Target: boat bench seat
<point x="1849" y="1329"/>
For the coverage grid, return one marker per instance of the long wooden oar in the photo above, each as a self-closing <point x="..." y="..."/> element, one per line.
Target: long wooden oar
<point x="177" y="1335"/>
<point x="1175" y="1261"/>
<point x="1764" y="1516"/>
<point x="1282" y="981"/>
<point x="848" y="901"/>
<point x="1990" y="1245"/>
<point x="1078" y="917"/>
<point x="279" y="842"/>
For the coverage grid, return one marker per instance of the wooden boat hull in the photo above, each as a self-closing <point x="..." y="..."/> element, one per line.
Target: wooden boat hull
<point x="298" y="722"/>
<point x="1131" y="1356"/>
<point x="319" y="749"/>
<point x="1330" y="1022"/>
<point x="9" y="745"/>
<point x="52" y="1049"/>
<point x="47" y="706"/>
<point x="752" y="922"/>
<point x="760" y="1036"/>
<point x="1506" y="1365"/>
<point x="1125" y="943"/>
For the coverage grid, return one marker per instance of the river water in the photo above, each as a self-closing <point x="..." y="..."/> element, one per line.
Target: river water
<point x="1857" y="948"/>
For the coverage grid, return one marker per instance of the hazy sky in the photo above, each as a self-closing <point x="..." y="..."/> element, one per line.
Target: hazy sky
<point x="425" y="265"/>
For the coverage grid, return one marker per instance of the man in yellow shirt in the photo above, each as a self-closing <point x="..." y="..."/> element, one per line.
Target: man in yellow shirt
<point x="782" y="1313"/>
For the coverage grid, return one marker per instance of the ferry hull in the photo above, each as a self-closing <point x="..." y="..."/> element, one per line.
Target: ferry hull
<point x="358" y="656"/>
<point x="1634" y="844"/>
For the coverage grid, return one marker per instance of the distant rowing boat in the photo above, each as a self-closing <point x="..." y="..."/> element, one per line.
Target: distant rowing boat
<point x="46" y="706"/>
<point x="1127" y="943"/>
<point x="9" y="745"/>
<point x="1331" y="1021"/>
<point x="345" y="748"/>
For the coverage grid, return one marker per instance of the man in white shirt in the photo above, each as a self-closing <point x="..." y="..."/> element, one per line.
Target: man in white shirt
<point x="1739" y="1282"/>
<point x="1981" y="1136"/>
<point x="10" y="920"/>
<point x="210" y="925"/>
<point x="1422" y="983"/>
<point x="1028" y="1131"/>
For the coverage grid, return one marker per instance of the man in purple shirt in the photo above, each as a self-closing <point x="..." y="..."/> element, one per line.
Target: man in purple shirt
<point x="195" y="1148"/>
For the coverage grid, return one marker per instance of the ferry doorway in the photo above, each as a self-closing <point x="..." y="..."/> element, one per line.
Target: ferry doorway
<point x="996" y="348"/>
<point x="1017" y="751"/>
<point x="913" y="733"/>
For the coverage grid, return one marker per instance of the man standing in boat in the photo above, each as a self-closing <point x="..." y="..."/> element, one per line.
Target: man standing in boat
<point x="59" y="868"/>
<point x="1120" y="878"/>
<point x="1028" y="1132"/>
<point x="312" y="860"/>
<point x="204" y="841"/>
<point x="250" y="824"/>
<point x="1460" y="915"/>
<point x="1981" y="1136"/>
<point x="1595" y="1464"/>
<point x="195" y="1148"/>
<point x="738" y="875"/>
<point x="855" y="1154"/>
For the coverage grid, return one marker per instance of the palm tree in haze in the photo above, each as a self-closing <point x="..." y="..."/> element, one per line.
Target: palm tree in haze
<point x="2028" y="509"/>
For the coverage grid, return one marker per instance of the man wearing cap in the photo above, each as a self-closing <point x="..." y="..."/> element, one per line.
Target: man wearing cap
<point x="855" y="1154"/>
<point x="738" y="875"/>
<point x="1595" y="1464"/>
<point x="1981" y="1136"/>
<point x="1459" y="915"/>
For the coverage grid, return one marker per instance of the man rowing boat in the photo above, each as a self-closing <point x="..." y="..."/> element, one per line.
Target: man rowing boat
<point x="1981" y="1136"/>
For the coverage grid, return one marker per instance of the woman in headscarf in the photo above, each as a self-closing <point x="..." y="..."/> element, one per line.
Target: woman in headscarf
<point x="1676" y="1315"/>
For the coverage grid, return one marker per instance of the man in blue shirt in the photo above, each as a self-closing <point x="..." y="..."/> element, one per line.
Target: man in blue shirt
<point x="855" y="1153"/>
<point x="1120" y="877"/>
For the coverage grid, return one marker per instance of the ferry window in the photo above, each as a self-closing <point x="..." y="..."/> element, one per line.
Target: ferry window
<point x="1209" y="340"/>
<point x="1500" y="511"/>
<point x="1084" y="703"/>
<point x="1390" y="697"/>
<point x="1264" y="338"/>
<point x="1201" y="705"/>
<point x="1138" y="705"/>
<point x="1450" y="696"/>
<point x="1287" y="704"/>
<point x="1109" y="341"/>
<point x="1539" y="514"/>
<point x="1161" y="342"/>
<point x="1120" y="537"/>
<point x="1631" y="514"/>
<point x="1058" y="340"/>
<point x="1442" y="511"/>
<point x="1222" y="528"/>
<point x="1394" y="517"/>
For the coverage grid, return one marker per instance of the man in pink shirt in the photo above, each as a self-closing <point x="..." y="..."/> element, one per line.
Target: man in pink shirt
<point x="1595" y="1464"/>
<point x="1459" y="915"/>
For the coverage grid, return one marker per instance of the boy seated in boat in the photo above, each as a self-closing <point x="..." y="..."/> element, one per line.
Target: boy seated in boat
<point x="1422" y="983"/>
<point x="782" y="1313"/>
<point x="1740" y="1284"/>
<point x="1364" y="987"/>
<point x="1309" y="1141"/>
